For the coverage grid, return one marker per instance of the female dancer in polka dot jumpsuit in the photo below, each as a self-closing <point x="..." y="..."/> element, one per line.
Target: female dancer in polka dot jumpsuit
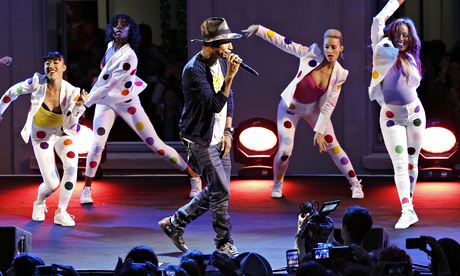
<point x="52" y="123"/>
<point x="312" y="96"/>
<point x="395" y="77"/>
<point x="116" y="93"/>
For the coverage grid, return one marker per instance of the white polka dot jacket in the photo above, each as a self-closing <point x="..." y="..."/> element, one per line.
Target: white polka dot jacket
<point x="384" y="52"/>
<point x="36" y="86"/>
<point x="117" y="81"/>
<point x="309" y="58"/>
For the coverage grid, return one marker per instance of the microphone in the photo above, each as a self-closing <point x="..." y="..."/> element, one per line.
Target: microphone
<point x="246" y="67"/>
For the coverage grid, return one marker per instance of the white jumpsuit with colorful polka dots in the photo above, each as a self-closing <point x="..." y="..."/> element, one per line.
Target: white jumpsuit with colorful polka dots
<point x="402" y="125"/>
<point x="317" y="114"/>
<point x="116" y="93"/>
<point x="46" y="139"/>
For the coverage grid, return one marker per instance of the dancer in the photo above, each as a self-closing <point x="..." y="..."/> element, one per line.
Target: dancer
<point x="6" y="60"/>
<point x="52" y="123"/>
<point x="206" y="130"/>
<point x="312" y="96"/>
<point x="396" y="75"/>
<point x="116" y="93"/>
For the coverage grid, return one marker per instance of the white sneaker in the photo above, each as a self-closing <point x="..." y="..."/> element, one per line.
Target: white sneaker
<point x="85" y="196"/>
<point x="196" y="186"/>
<point x="277" y="191"/>
<point x="229" y="250"/>
<point x="357" y="190"/>
<point x="63" y="218"/>
<point x="408" y="217"/>
<point x="39" y="210"/>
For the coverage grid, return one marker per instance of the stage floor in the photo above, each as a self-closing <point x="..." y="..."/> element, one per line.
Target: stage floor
<point x="127" y="209"/>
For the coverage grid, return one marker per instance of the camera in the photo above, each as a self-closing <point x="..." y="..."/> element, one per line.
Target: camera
<point x="328" y="251"/>
<point x="292" y="259"/>
<point x="314" y="225"/>
<point x="416" y="243"/>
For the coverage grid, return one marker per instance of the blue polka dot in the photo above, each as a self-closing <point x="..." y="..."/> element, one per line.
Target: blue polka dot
<point x="29" y="81"/>
<point x="287" y="141"/>
<point x="71" y="170"/>
<point x="390" y="123"/>
<point x="44" y="145"/>
<point x="128" y="84"/>
<point x="287" y="40"/>
<point x="312" y="63"/>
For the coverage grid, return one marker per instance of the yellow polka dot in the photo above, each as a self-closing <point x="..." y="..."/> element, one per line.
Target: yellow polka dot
<point x="280" y="177"/>
<point x="336" y="150"/>
<point x="375" y="74"/>
<point x="75" y="99"/>
<point x="339" y="87"/>
<point x="270" y="34"/>
<point x="140" y="126"/>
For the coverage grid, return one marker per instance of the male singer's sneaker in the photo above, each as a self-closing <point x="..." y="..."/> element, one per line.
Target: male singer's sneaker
<point x="229" y="250"/>
<point x="39" y="210"/>
<point x="277" y="191"/>
<point x="195" y="186"/>
<point x="85" y="196"/>
<point x="357" y="190"/>
<point x="408" y="217"/>
<point x="173" y="233"/>
<point x="63" y="218"/>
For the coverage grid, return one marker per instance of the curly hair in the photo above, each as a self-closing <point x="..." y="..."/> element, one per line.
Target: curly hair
<point x="134" y="36"/>
<point x="414" y="43"/>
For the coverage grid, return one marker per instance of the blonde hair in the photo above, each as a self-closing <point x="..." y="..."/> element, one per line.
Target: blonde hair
<point x="333" y="33"/>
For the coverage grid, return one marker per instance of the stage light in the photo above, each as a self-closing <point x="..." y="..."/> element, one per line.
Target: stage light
<point x="439" y="150"/>
<point x="255" y="145"/>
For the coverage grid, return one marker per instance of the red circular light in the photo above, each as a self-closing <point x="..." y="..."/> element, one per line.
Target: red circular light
<point x="438" y="140"/>
<point x="258" y="139"/>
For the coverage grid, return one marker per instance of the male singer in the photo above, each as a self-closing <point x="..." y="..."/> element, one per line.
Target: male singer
<point x="206" y="129"/>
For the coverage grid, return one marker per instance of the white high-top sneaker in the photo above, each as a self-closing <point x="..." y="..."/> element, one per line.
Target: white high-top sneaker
<point x="195" y="186"/>
<point x="357" y="190"/>
<point x="63" y="218"/>
<point x="39" y="210"/>
<point x="277" y="191"/>
<point x="408" y="217"/>
<point x="85" y="196"/>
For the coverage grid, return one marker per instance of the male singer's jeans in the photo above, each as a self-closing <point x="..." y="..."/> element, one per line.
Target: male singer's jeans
<point x="216" y="172"/>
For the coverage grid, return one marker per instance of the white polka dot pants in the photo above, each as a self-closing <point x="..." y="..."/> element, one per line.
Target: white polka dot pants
<point x="45" y="142"/>
<point x="402" y="128"/>
<point x="134" y="115"/>
<point x="287" y="121"/>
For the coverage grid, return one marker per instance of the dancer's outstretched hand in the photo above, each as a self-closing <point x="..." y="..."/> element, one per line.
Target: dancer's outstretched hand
<point x="83" y="97"/>
<point x="319" y="139"/>
<point x="251" y="30"/>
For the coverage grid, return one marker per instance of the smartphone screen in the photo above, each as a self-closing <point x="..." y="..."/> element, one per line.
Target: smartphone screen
<point x="321" y="253"/>
<point x="292" y="258"/>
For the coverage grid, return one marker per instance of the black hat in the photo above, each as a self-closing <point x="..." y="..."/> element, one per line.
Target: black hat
<point x="216" y="28"/>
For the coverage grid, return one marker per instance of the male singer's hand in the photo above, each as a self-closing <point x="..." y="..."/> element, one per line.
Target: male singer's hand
<point x="319" y="139"/>
<point x="226" y="145"/>
<point x="251" y="30"/>
<point x="233" y="64"/>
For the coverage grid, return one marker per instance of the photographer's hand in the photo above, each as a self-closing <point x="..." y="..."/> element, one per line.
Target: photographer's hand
<point x="439" y="261"/>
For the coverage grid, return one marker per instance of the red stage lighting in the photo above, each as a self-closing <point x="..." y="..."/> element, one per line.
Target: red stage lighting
<point x="439" y="149"/>
<point x="255" y="145"/>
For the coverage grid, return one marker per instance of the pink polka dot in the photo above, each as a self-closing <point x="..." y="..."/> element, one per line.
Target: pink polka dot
<point x="133" y="72"/>
<point x="299" y="74"/>
<point x="40" y="134"/>
<point x="71" y="154"/>
<point x="417" y="136"/>
<point x="138" y="83"/>
<point x="93" y="164"/>
<point x="405" y="200"/>
<point x="132" y="110"/>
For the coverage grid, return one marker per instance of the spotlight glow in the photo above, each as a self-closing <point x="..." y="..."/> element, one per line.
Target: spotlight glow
<point x="438" y="140"/>
<point x="258" y="139"/>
